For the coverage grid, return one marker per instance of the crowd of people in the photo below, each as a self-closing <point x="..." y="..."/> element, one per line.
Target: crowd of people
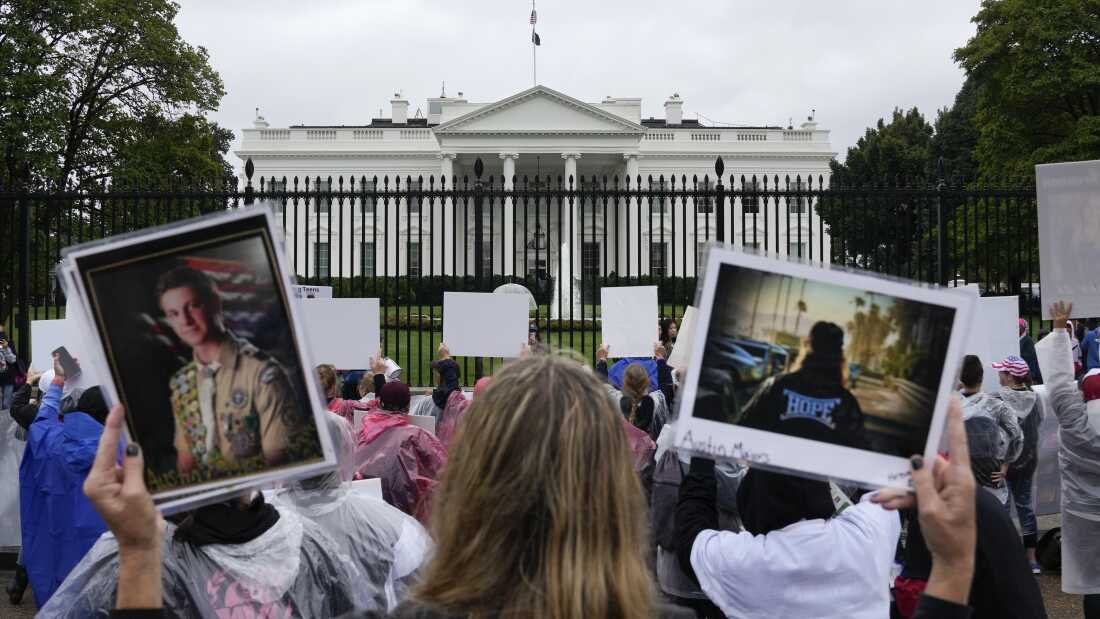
<point x="554" y="490"/>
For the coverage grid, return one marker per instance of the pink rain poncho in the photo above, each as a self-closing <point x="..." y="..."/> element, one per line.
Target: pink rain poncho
<point x="346" y="408"/>
<point x="450" y="417"/>
<point x="641" y="446"/>
<point x="407" y="458"/>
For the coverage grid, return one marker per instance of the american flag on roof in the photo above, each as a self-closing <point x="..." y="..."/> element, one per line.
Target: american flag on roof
<point x="534" y="17"/>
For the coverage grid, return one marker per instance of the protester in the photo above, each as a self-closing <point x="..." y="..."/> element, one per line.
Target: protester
<point x="794" y="558"/>
<point x="9" y="368"/>
<point x="646" y="409"/>
<point x="1075" y="349"/>
<point x="330" y="387"/>
<point x="1024" y="403"/>
<point x="239" y="558"/>
<point x="446" y="373"/>
<point x="386" y="545"/>
<point x="988" y="465"/>
<point x="453" y="405"/>
<point x="976" y="403"/>
<point x="534" y="341"/>
<point x="1002" y="587"/>
<point x="817" y="377"/>
<point x="1090" y="345"/>
<point x="58" y="524"/>
<point x="407" y="458"/>
<point x="1027" y="353"/>
<point x="669" y="330"/>
<point x="1079" y="456"/>
<point x="526" y="522"/>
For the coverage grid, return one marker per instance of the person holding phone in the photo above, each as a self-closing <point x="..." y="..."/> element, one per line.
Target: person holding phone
<point x="9" y="367"/>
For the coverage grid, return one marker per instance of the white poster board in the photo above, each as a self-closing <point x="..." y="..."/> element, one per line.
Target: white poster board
<point x="312" y="292"/>
<point x="72" y="333"/>
<point x="994" y="335"/>
<point x="343" y="332"/>
<point x="1069" y="221"/>
<point x="629" y="318"/>
<point x="681" y="352"/>
<point x="484" y="324"/>
<point x="423" y="421"/>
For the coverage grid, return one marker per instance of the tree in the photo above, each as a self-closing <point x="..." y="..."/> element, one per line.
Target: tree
<point x="1037" y="63"/>
<point x="94" y="91"/>
<point x="956" y="137"/>
<point x="72" y="73"/>
<point x="880" y="230"/>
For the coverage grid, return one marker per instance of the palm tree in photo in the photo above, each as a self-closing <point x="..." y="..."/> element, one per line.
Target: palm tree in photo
<point x="798" y="319"/>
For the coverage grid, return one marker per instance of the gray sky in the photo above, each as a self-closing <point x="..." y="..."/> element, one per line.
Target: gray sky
<point x="738" y="61"/>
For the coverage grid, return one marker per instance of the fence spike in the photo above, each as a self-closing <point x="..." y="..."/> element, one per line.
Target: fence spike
<point x="479" y="167"/>
<point x="719" y="167"/>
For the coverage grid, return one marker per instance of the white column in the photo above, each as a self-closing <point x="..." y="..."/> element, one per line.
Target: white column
<point x="574" y="229"/>
<point x="509" y="250"/>
<point x="446" y="221"/>
<point x="628" y="235"/>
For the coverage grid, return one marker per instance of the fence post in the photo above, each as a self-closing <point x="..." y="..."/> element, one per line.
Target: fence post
<point x="248" y="170"/>
<point x="720" y="200"/>
<point x="479" y="242"/>
<point x="941" y="225"/>
<point x="23" y="205"/>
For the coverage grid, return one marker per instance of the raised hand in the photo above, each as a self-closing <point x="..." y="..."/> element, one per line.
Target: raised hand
<point x="1059" y="314"/>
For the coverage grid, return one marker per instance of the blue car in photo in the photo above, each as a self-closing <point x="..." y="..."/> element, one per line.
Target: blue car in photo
<point x="725" y="353"/>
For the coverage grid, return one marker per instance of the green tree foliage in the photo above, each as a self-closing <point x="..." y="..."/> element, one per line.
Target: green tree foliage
<point x="955" y="138"/>
<point x="95" y="91"/>
<point x="1038" y="65"/>
<point x="80" y="79"/>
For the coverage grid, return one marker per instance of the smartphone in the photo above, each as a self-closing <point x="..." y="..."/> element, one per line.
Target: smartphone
<point x="68" y="364"/>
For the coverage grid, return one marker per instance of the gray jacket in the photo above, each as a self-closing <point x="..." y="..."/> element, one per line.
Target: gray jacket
<point x="1079" y="454"/>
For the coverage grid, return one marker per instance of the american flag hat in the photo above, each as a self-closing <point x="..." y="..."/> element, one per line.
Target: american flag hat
<point x="1012" y="364"/>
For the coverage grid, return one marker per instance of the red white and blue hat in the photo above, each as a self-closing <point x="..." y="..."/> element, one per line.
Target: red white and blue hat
<point x="1012" y="364"/>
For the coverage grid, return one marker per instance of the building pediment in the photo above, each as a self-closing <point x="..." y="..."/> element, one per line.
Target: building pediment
<point x="539" y="111"/>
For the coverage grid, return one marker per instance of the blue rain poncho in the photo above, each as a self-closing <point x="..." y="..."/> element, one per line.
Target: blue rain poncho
<point x="59" y="524"/>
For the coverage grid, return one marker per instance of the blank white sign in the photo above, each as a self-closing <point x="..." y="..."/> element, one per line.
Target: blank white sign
<point x="994" y="335"/>
<point x="629" y="317"/>
<point x="47" y="336"/>
<point x="343" y="332"/>
<point x="1069" y="221"/>
<point x="484" y="324"/>
<point x="681" y="352"/>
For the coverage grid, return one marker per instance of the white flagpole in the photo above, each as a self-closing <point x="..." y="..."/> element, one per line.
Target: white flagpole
<point x="534" y="48"/>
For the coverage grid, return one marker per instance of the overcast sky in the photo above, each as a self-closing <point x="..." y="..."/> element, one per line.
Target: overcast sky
<point x="739" y="61"/>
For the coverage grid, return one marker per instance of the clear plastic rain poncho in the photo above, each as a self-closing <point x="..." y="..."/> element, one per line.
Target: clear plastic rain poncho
<point x="1079" y="457"/>
<point x="408" y="459"/>
<point x="294" y="569"/>
<point x="386" y="545"/>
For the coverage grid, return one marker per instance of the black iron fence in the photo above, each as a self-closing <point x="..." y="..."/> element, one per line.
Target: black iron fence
<point x="405" y="240"/>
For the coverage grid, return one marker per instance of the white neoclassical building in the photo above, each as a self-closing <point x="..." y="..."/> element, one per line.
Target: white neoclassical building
<point x="535" y="133"/>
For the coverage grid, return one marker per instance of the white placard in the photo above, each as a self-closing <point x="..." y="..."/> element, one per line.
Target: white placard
<point x="484" y="324"/>
<point x="423" y="421"/>
<point x="343" y="332"/>
<point x="47" y="336"/>
<point x="681" y="352"/>
<point x="749" y="302"/>
<point x="1069" y="221"/>
<point x="994" y="335"/>
<point x="371" y="487"/>
<point x="312" y="292"/>
<point x="629" y="318"/>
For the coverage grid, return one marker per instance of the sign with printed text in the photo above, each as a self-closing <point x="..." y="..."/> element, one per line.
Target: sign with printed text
<point x="629" y="318"/>
<point x="484" y="324"/>
<point x="1069" y="220"/>
<point x="312" y="292"/>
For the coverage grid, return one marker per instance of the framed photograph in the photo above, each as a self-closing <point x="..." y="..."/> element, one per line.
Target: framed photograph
<point x="202" y="342"/>
<point x="823" y="372"/>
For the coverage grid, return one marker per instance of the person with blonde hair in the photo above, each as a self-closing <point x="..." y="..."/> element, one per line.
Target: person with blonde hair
<point x="539" y="512"/>
<point x="330" y="386"/>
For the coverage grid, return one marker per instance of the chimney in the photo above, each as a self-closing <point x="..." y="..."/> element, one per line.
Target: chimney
<point x="811" y="122"/>
<point x="400" y="114"/>
<point x="674" y="110"/>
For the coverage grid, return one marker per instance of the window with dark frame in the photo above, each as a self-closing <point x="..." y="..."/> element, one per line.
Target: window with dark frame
<point x="750" y="204"/>
<point x="657" y="204"/>
<point x="590" y="260"/>
<point x="657" y="259"/>
<point x="366" y="258"/>
<point x="323" y="200"/>
<point x="412" y="260"/>
<point x="797" y="205"/>
<point x="705" y="203"/>
<point x="321" y="263"/>
<point x="368" y="188"/>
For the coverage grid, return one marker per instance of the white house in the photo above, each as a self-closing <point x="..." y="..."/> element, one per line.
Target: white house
<point x="535" y="133"/>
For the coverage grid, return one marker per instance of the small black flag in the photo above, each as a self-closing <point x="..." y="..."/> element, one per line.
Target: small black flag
<point x="535" y="38"/>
